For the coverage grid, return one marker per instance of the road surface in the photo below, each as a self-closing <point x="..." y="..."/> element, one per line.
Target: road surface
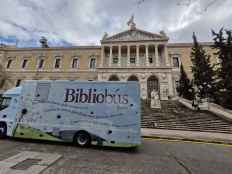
<point x="154" y="156"/>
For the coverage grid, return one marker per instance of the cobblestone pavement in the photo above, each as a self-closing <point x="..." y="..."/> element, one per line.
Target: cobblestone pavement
<point x="154" y="156"/>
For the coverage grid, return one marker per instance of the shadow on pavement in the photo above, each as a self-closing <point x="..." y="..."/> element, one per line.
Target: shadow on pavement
<point x="95" y="147"/>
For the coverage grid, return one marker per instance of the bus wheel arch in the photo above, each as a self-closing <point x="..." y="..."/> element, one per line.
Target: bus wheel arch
<point x="82" y="138"/>
<point x="3" y="129"/>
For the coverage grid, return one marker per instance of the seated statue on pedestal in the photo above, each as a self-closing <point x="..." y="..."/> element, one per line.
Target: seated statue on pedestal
<point x="155" y="101"/>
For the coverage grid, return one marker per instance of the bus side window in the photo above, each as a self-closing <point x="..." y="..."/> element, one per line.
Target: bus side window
<point x="42" y="91"/>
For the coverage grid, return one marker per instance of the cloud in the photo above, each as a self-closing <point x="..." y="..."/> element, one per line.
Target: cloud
<point x="79" y="22"/>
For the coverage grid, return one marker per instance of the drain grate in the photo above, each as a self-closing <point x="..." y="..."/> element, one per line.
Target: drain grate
<point x="26" y="164"/>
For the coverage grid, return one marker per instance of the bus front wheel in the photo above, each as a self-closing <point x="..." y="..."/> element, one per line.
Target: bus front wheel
<point x="82" y="139"/>
<point x="3" y="130"/>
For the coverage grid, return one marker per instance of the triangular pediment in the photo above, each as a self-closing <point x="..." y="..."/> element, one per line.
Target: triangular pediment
<point x="134" y="35"/>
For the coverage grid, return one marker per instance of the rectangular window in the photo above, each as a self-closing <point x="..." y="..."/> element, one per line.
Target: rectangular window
<point x="40" y="63"/>
<point x="8" y="63"/>
<point x="92" y="63"/>
<point x="132" y="60"/>
<point x="176" y="62"/>
<point x="24" y="64"/>
<point x="42" y="91"/>
<point x="75" y="63"/>
<point x="115" y="60"/>
<point x="177" y="83"/>
<point x="18" y="83"/>
<point x="57" y="63"/>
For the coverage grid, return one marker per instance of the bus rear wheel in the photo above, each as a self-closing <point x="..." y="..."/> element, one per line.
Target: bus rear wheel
<point x="3" y="130"/>
<point x="82" y="139"/>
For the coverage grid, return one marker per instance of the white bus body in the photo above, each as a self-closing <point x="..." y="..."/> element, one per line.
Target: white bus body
<point x="83" y="112"/>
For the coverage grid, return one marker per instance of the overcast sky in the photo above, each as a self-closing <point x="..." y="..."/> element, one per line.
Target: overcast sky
<point x="82" y="22"/>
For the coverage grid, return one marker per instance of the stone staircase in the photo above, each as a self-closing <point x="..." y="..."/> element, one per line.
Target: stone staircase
<point x="175" y="116"/>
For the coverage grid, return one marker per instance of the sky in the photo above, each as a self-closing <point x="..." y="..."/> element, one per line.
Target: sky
<point x="83" y="22"/>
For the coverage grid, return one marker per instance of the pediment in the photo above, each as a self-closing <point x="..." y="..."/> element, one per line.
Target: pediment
<point x="134" y="35"/>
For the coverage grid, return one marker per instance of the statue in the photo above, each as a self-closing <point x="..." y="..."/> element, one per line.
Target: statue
<point x="43" y="41"/>
<point x="199" y="103"/>
<point x="131" y="23"/>
<point x="155" y="101"/>
<point x="162" y="32"/>
<point x="105" y="36"/>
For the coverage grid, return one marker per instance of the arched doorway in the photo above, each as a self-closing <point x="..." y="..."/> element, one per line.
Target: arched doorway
<point x="152" y="83"/>
<point x="133" y="78"/>
<point x="114" y="78"/>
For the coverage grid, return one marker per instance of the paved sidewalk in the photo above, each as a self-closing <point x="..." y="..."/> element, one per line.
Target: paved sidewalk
<point x="187" y="135"/>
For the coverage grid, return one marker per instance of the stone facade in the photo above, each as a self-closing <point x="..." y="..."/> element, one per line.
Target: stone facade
<point x="130" y="55"/>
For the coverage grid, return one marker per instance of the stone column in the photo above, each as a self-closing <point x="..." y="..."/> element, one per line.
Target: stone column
<point x="128" y="55"/>
<point x="110" y="60"/>
<point x="102" y="56"/>
<point x="157" y="63"/>
<point x="147" y="60"/>
<point x="119" y="55"/>
<point x="166" y="55"/>
<point x="137" y="55"/>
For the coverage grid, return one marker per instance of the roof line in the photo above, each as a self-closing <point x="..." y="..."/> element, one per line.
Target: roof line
<point x="123" y="32"/>
<point x="177" y="44"/>
<point x="188" y="44"/>
<point x="52" y="48"/>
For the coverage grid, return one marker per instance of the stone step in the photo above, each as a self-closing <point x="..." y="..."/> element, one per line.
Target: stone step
<point x="186" y="122"/>
<point x="189" y="123"/>
<point x="185" y="119"/>
<point x="206" y="120"/>
<point x="199" y="130"/>
<point x="174" y="115"/>
<point x="192" y="126"/>
<point x="192" y="129"/>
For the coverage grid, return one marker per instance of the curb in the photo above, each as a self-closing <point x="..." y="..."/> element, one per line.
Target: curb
<point x="194" y="140"/>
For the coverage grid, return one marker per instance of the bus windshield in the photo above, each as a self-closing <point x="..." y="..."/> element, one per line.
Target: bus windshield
<point x="4" y="102"/>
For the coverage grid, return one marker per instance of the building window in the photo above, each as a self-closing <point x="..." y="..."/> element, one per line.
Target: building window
<point x="177" y="83"/>
<point x="132" y="60"/>
<point x="176" y="62"/>
<point x="75" y="63"/>
<point x="40" y="63"/>
<point x="18" y="83"/>
<point x="92" y="63"/>
<point x="8" y="63"/>
<point x="57" y="63"/>
<point x="24" y="64"/>
<point x="150" y="60"/>
<point x="115" y="60"/>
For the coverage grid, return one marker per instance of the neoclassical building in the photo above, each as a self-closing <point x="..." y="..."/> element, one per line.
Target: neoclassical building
<point x="133" y="54"/>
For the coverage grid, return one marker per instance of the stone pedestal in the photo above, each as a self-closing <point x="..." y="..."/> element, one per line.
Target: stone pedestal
<point x="204" y="104"/>
<point x="155" y="104"/>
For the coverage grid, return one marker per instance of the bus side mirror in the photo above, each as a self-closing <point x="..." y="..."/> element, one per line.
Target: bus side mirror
<point x="24" y="111"/>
